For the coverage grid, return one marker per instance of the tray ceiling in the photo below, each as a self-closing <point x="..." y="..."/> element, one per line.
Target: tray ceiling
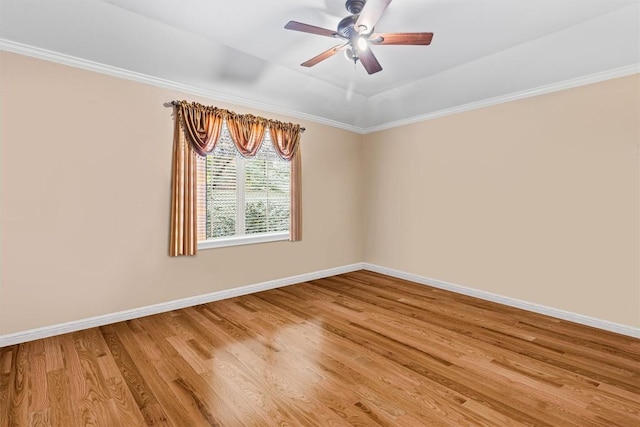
<point x="482" y="50"/>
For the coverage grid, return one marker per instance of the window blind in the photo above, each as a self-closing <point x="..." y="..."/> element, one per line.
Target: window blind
<point x="246" y="196"/>
<point x="267" y="191"/>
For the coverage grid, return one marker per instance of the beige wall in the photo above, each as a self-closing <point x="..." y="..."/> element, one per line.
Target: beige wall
<point x="85" y="186"/>
<point x="536" y="199"/>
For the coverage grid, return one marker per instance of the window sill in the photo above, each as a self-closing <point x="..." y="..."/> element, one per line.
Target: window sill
<point x="243" y="240"/>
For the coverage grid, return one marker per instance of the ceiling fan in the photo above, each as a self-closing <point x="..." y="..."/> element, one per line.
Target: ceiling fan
<point x="356" y="33"/>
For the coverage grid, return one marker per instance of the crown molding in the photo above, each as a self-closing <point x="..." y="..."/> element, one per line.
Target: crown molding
<point x="85" y="64"/>
<point x="60" y="58"/>
<point x="541" y="90"/>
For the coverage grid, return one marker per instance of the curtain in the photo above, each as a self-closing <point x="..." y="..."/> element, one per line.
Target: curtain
<point x="247" y="132"/>
<point x="286" y="137"/>
<point x="183" y="235"/>
<point x="197" y="129"/>
<point x="295" y="224"/>
<point x="203" y="125"/>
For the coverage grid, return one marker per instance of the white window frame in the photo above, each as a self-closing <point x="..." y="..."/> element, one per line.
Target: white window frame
<point x="243" y="239"/>
<point x="247" y="239"/>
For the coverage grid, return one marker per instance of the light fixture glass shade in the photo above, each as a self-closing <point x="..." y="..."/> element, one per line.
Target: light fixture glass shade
<point x="362" y="43"/>
<point x="351" y="54"/>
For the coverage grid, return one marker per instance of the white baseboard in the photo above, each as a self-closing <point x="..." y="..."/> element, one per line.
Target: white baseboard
<point x="512" y="302"/>
<point x="92" y="322"/>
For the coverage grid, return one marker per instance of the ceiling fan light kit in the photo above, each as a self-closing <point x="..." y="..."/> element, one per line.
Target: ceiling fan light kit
<point x="357" y="34"/>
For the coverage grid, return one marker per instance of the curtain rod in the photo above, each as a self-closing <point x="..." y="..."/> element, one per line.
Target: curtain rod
<point x="176" y="103"/>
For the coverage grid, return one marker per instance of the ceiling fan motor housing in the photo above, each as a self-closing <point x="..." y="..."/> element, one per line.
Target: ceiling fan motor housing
<point x="346" y="27"/>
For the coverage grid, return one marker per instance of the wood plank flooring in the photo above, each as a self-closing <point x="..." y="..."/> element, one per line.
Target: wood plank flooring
<point x="358" y="349"/>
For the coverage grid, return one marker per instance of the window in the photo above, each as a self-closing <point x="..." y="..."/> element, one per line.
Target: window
<point x="242" y="200"/>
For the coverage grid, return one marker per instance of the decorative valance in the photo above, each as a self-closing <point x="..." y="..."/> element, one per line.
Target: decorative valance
<point x="197" y="130"/>
<point x="203" y="125"/>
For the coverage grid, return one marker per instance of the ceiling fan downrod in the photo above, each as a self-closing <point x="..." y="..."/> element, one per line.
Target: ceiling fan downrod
<point x="355" y="6"/>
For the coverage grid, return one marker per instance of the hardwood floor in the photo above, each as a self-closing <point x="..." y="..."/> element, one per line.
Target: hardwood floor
<point x="356" y="349"/>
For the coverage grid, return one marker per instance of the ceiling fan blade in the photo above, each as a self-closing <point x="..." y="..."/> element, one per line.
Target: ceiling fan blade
<point x="371" y="13"/>
<point x="312" y="29"/>
<point x="324" y="55"/>
<point x="401" y="38"/>
<point x="369" y="61"/>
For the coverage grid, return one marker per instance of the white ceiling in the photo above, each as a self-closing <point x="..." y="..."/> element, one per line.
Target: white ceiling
<point x="482" y="50"/>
